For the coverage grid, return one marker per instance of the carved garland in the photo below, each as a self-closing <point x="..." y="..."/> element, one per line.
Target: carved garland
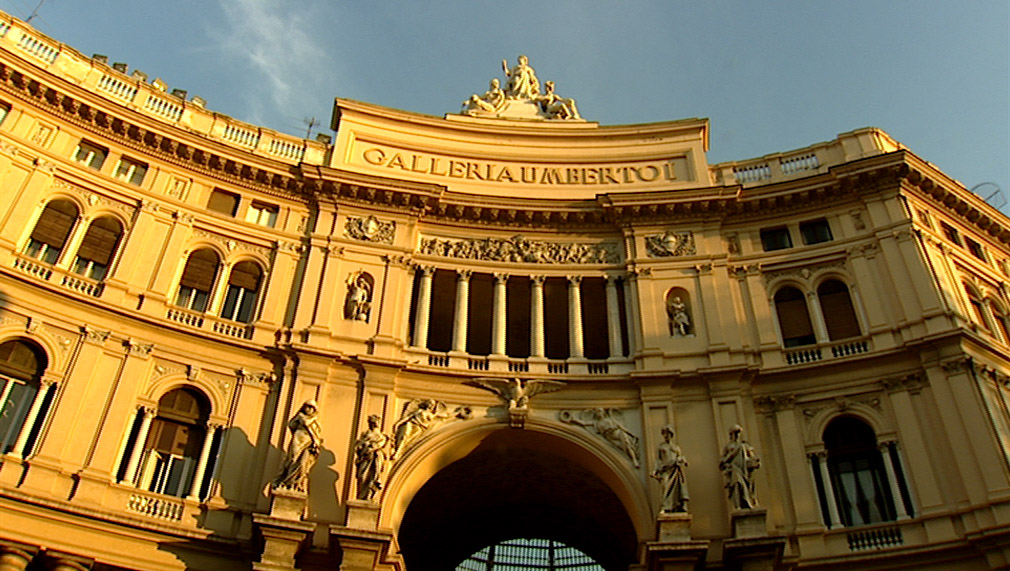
<point x="519" y="249"/>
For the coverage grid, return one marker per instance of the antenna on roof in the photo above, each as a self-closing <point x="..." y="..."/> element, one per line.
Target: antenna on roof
<point x="35" y="12"/>
<point x="310" y="122"/>
<point x="991" y="193"/>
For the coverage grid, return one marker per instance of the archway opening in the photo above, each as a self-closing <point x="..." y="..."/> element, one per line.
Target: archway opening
<point x="516" y="483"/>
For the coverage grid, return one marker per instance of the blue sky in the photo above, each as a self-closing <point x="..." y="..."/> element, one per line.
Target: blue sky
<point x="771" y="76"/>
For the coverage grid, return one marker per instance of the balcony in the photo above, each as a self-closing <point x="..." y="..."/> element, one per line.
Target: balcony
<point x="818" y="352"/>
<point x="532" y="366"/>
<point x="60" y="277"/>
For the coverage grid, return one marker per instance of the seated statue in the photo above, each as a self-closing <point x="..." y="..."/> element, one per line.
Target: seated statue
<point x="555" y="106"/>
<point x="492" y="100"/>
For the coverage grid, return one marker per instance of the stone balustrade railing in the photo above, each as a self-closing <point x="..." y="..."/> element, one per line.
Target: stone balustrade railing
<point x="807" y="161"/>
<point x="151" y="99"/>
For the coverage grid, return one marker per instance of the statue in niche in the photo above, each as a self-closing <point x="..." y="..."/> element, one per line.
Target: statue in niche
<point x="522" y="80"/>
<point x="516" y="394"/>
<point x="491" y="102"/>
<point x="555" y="106"/>
<point x="359" y="297"/>
<point x="370" y="459"/>
<point x="303" y="450"/>
<point x="738" y="463"/>
<point x="606" y="423"/>
<point x="670" y="473"/>
<point x="418" y="416"/>
<point x="680" y="321"/>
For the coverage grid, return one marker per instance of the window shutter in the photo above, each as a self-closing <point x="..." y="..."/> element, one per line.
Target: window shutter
<point x="201" y="269"/>
<point x="245" y="275"/>
<point x="100" y="241"/>
<point x="793" y="318"/>
<point x="54" y="225"/>
<point x="223" y="202"/>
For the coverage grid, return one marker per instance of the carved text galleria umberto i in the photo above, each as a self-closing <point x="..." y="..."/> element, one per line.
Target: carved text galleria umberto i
<point x="438" y="342"/>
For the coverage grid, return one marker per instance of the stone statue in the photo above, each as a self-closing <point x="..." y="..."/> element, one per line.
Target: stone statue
<point x="359" y="297"/>
<point x="418" y="416"/>
<point x="303" y="450"/>
<point x="370" y="459"/>
<point x="605" y="424"/>
<point x="555" y="106"/>
<point x="516" y="394"/>
<point x="670" y="473"/>
<point x="522" y="80"/>
<point x="739" y="460"/>
<point x="680" y="322"/>
<point x="491" y="102"/>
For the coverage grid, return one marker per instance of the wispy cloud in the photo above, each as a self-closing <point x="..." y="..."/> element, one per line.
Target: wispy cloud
<point x="274" y="39"/>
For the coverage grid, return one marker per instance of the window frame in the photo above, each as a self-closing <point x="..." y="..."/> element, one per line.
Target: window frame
<point x="92" y="152"/>
<point x="817" y="231"/>
<point x="135" y="170"/>
<point x="771" y="238"/>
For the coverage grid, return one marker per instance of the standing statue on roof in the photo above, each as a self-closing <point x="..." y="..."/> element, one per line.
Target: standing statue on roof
<point x="522" y="80"/>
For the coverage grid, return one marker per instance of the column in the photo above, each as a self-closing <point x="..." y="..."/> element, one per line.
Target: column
<point x="816" y="317"/>
<point x="220" y="287"/>
<point x="72" y="243"/>
<point x="462" y="301"/>
<point x="423" y="310"/>
<point x="634" y="317"/>
<point x="16" y="556"/>
<point x="613" y="319"/>
<point x="130" y="477"/>
<point x="498" y="323"/>
<point x="892" y="480"/>
<point x="201" y="464"/>
<point x="537" y="316"/>
<point x="829" y="490"/>
<point x="30" y="420"/>
<point x="574" y="317"/>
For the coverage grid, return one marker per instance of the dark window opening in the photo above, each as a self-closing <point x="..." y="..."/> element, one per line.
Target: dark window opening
<point x="776" y="239"/>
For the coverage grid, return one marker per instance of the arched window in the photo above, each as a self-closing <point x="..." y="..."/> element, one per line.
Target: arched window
<point x="21" y="368"/>
<point x="52" y="230"/>
<point x="243" y="289"/>
<point x="98" y="247"/>
<point x="197" y="281"/>
<point x="173" y="445"/>
<point x="836" y="307"/>
<point x="794" y="319"/>
<point x="977" y="309"/>
<point x="863" y="484"/>
<point x="1000" y="318"/>
<point x="529" y="555"/>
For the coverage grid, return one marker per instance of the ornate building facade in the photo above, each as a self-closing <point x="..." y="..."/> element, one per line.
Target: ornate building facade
<point x="222" y="347"/>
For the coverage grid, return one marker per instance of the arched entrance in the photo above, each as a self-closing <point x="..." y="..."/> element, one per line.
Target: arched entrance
<point x="517" y="483"/>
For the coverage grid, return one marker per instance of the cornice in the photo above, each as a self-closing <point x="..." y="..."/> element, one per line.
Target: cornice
<point x="957" y="201"/>
<point x="136" y="133"/>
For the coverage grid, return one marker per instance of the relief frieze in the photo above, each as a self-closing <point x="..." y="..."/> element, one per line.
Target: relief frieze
<point x="519" y="249"/>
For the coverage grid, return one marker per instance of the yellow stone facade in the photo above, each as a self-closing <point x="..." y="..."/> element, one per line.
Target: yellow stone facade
<point x="175" y="284"/>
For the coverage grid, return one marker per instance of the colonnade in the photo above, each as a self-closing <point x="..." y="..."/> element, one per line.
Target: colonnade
<point x="537" y="319"/>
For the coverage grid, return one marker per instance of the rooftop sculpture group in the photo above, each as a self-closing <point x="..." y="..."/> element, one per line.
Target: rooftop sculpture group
<point x="521" y="98"/>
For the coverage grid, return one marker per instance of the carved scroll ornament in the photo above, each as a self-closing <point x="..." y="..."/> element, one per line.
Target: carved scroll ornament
<point x="519" y="249"/>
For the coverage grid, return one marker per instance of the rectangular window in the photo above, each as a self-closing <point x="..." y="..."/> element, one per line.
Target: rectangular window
<point x="262" y="214"/>
<point x="223" y="201"/>
<point x="5" y="109"/>
<point x="815" y="231"/>
<point x="131" y="170"/>
<point x="976" y="249"/>
<point x="925" y="218"/>
<point x="951" y="233"/>
<point x="776" y="239"/>
<point x="90" y="154"/>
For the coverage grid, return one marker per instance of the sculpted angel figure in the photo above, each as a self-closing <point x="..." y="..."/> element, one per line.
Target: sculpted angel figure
<point x="604" y="423"/>
<point x="670" y="473"/>
<point x="491" y="101"/>
<point x="418" y="416"/>
<point x="522" y="80"/>
<point x="370" y="459"/>
<point x="739" y="460"/>
<point x="303" y="450"/>
<point x="359" y="298"/>
<point x="555" y="106"/>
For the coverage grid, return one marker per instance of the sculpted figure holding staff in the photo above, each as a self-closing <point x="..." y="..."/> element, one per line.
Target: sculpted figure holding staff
<point x="522" y="80"/>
